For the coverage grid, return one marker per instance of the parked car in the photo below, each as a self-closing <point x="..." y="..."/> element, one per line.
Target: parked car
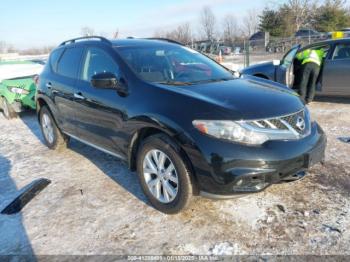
<point x="334" y="77"/>
<point x="306" y="33"/>
<point x="258" y="36"/>
<point x="225" y="50"/>
<point x="237" y="51"/>
<point x="181" y="120"/>
<point x="259" y="39"/>
<point x="17" y="93"/>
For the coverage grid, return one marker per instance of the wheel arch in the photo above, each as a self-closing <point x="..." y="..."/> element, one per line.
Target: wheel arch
<point x="169" y="138"/>
<point x="42" y="101"/>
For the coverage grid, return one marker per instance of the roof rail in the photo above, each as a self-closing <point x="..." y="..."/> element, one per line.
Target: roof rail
<point x="71" y="41"/>
<point x="164" y="39"/>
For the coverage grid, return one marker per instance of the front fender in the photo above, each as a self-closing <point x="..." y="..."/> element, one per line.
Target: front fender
<point x="4" y="92"/>
<point x="264" y="69"/>
<point x="155" y="124"/>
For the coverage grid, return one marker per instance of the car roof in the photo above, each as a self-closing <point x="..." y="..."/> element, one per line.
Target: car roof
<point x="141" y="42"/>
<point x="329" y="41"/>
<point x="128" y="42"/>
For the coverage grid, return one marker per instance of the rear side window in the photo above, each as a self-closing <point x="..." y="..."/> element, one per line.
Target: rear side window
<point x="341" y="51"/>
<point x="54" y="57"/>
<point x="68" y="64"/>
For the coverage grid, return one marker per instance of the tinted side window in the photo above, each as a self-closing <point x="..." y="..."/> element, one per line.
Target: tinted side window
<point x="98" y="61"/>
<point x="54" y="57"/>
<point x="341" y="51"/>
<point x="68" y="65"/>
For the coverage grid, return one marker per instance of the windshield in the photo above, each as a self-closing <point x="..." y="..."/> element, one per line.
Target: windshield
<point x="172" y="65"/>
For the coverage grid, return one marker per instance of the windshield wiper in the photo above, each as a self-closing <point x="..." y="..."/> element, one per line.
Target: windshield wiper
<point x="213" y="80"/>
<point x="175" y="83"/>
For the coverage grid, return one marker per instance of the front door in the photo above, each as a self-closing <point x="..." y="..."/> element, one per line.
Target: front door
<point x="99" y="112"/>
<point x="285" y="72"/>
<point x="336" y="76"/>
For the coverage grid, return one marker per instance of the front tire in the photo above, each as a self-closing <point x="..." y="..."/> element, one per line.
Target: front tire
<point x="164" y="176"/>
<point x="53" y="137"/>
<point x="7" y="110"/>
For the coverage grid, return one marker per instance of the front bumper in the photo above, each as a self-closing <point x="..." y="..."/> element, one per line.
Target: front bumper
<point x="229" y="169"/>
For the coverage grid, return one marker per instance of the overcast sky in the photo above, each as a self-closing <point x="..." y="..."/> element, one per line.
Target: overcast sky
<point x="38" y="23"/>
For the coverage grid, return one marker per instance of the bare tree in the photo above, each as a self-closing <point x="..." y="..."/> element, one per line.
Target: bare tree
<point x="208" y="22"/>
<point x="182" y="33"/>
<point x="87" y="31"/>
<point x="230" y="27"/>
<point x="250" y="22"/>
<point x="301" y="12"/>
<point x="116" y="33"/>
<point x="3" y="47"/>
<point x="160" y="33"/>
<point x="7" y="48"/>
<point x="103" y="34"/>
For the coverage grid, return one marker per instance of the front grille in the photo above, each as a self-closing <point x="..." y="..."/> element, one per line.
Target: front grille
<point x="298" y="123"/>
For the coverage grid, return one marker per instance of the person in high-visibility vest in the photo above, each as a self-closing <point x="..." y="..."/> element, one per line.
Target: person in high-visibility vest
<point x="311" y="61"/>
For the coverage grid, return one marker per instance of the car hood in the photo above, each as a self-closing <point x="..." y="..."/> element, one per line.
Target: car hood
<point x="246" y="98"/>
<point x="256" y="66"/>
<point x="10" y="71"/>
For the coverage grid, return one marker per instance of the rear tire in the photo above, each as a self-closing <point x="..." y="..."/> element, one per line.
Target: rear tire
<point x="7" y="109"/>
<point x="53" y="137"/>
<point x="168" y="191"/>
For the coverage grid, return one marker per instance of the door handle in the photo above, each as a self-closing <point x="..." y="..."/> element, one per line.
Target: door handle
<point x="78" y="96"/>
<point x="49" y="85"/>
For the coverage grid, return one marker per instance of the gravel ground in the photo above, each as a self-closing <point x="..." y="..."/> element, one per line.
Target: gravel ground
<point x="94" y="205"/>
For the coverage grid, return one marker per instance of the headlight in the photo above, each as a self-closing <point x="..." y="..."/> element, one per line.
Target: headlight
<point x="230" y="130"/>
<point x="17" y="90"/>
<point x="242" y="132"/>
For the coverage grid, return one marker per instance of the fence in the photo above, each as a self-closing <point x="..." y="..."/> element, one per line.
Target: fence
<point x="247" y="52"/>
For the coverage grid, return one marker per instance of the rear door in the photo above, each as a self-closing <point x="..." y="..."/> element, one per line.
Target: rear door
<point x="336" y="76"/>
<point x="63" y="87"/>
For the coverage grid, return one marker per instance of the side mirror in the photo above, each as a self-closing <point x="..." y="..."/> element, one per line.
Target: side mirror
<point x="276" y="62"/>
<point x="236" y="73"/>
<point x="105" y="80"/>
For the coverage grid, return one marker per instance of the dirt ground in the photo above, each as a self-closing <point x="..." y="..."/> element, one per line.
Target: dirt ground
<point x="94" y="205"/>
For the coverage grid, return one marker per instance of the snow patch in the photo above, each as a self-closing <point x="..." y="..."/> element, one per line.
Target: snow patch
<point x="19" y="70"/>
<point x="225" y="249"/>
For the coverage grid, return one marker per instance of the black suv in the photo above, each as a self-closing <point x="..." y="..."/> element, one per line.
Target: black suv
<point x="184" y="122"/>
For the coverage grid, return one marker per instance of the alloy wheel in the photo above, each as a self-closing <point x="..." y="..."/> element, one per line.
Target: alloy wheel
<point x="47" y="128"/>
<point x="5" y="108"/>
<point x="160" y="176"/>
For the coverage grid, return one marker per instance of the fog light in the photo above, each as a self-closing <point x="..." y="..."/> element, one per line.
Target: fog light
<point x="250" y="184"/>
<point x="239" y="182"/>
<point x="261" y="186"/>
